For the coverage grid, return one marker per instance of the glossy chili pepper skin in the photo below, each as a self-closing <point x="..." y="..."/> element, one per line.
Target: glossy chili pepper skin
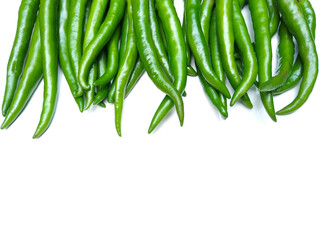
<point x="191" y="72"/>
<point x="286" y="58"/>
<point x="95" y="18"/>
<point x="125" y="69"/>
<point x="113" y="60"/>
<point x="103" y="90"/>
<point x="213" y="95"/>
<point x="49" y="46"/>
<point x="260" y="20"/>
<point x="274" y="16"/>
<point x="107" y="29"/>
<point x="224" y="10"/>
<point x="205" y="16"/>
<point x="199" y="47"/>
<point x="136" y="75"/>
<point x="215" y="53"/>
<point x="30" y="79"/>
<point x="26" y="19"/>
<point x="148" y="55"/>
<point x="158" y="40"/>
<point x="64" y="57"/>
<point x="296" y="73"/>
<point x="244" y="44"/>
<point x="124" y="35"/>
<point x="177" y="56"/>
<point x="76" y="29"/>
<point x="95" y="14"/>
<point x="297" y="24"/>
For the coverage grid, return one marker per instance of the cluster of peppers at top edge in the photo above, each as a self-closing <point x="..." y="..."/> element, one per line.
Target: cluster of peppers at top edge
<point x="82" y="37"/>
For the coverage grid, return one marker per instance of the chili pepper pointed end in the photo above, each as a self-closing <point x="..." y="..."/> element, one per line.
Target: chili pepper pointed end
<point x="119" y="132"/>
<point x="4" y="125"/>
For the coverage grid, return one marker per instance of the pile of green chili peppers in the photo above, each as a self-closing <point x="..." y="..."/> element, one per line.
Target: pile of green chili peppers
<point x="103" y="47"/>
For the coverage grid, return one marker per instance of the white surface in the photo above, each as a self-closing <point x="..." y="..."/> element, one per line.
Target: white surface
<point x="241" y="178"/>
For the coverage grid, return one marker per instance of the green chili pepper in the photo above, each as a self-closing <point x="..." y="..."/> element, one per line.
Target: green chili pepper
<point x="158" y="40"/>
<point x="243" y="42"/>
<point x="205" y="17"/>
<point x="75" y="36"/>
<point x="213" y="95"/>
<point x="261" y="28"/>
<point x="95" y="17"/>
<point x="113" y="60"/>
<point x="199" y="47"/>
<point x="224" y="9"/>
<point x="274" y="16"/>
<point x="296" y="72"/>
<point x="124" y="35"/>
<point x="103" y="90"/>
<point x="297" y="24"/>
<point x="64" y="57"/>
<point x="148" y="55"/>
<point x="30" y="79"/>
<point x="49" y="47"/>
<point x="286" y="58"/>
<point x="107" y="29"/>
<point x="26" y="19"/>
<point x="95" y="13"/>
<point x="215" y="53"/>
<point x="177" y="56"/>
<point x="125" y="69"/>
<point x="136" y="74"/>
<point x="191" y="72"/>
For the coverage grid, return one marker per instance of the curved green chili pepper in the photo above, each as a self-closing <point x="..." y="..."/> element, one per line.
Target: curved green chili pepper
<point x="224" y="10"/>
<point x="205" y="17"/>
<point x="285" y="56"/>
<point x="125" y="69"/>
<point x="177" y="56"/>
<point x="124" y="34"/>
<point x="95" y="18"/>
<point x="112" y="92"/>
<point x="93" y="74"/>
<point x="158" y="40"/>
<point x="107" y="29"/>
<point x="274" y="16"/>
<point x="136" y="74"/>
<point x="244" y="44"/>
<point x="296" y="23"/>
<point x="64" y="57"/>
<point x="96" y="11"/>
<point x="148" y="55"/>
<point x="213" y="95"/>
<point x="103" y="90"/>
<point x="30" y="79"/>
<point x="49" y="47"/>
<point x="261" y="28"/>
<point x="215" y="53"/>
<point x="113" y="60"/>
<point x="26" y="19"/>
<point x="191" y="72"/>
<point x="296" y="72"/>
<point x="76" y="29"/>
<point x="200" y="48"/>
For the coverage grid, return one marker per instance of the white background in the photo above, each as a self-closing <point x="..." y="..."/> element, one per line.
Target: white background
<point x="241" y="178"/>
